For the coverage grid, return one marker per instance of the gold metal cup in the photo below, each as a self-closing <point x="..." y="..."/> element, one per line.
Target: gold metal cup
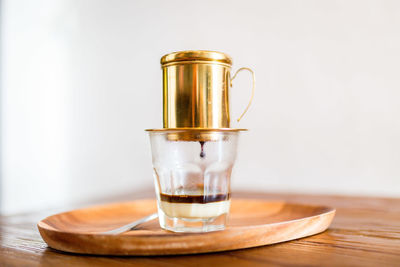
<point x="196" y="89"/>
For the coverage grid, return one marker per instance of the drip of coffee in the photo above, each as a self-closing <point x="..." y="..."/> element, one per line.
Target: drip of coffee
<point x="202" y="153"/>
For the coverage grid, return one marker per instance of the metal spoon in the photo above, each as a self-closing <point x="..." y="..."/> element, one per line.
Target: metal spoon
<point x="130" y="226"/>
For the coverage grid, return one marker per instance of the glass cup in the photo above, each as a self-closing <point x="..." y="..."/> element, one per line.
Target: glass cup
<point x="192" y="171"/>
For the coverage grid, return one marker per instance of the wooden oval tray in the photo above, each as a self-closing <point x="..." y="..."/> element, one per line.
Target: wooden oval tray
<point x="251" y="223"/>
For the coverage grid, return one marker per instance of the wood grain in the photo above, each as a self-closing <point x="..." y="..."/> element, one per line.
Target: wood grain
<point x="252" y="223"/>
<point x="365" y="232"/>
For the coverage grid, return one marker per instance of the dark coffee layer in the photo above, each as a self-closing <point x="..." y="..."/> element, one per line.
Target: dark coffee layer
<point x="201" y="199"/>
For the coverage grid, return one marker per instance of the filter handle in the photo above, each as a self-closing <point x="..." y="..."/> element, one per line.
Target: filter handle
<point x="252" y="89"/>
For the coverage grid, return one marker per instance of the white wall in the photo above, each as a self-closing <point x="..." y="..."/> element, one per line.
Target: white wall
<point x="81" y="80"/>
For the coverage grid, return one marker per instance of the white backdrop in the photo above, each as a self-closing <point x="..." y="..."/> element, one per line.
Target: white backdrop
<point x="82" y="80"/>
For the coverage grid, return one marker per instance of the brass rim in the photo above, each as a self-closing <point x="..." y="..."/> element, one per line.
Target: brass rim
<point x="196" y="62"/>
<point x="194" y="55"/>
<point x="197" y="130"/>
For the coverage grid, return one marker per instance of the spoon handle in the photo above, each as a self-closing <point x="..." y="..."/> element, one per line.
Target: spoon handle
<point x="130" y="226"/>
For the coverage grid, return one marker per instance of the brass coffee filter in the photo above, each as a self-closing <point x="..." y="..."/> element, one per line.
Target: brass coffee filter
<point x="196" y="87"/>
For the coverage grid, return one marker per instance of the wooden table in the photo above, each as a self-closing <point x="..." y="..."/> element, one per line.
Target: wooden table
<point x="365" y="232"/>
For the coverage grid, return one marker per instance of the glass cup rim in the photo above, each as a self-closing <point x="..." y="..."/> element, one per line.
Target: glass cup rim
<point x="195" y="134"/>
